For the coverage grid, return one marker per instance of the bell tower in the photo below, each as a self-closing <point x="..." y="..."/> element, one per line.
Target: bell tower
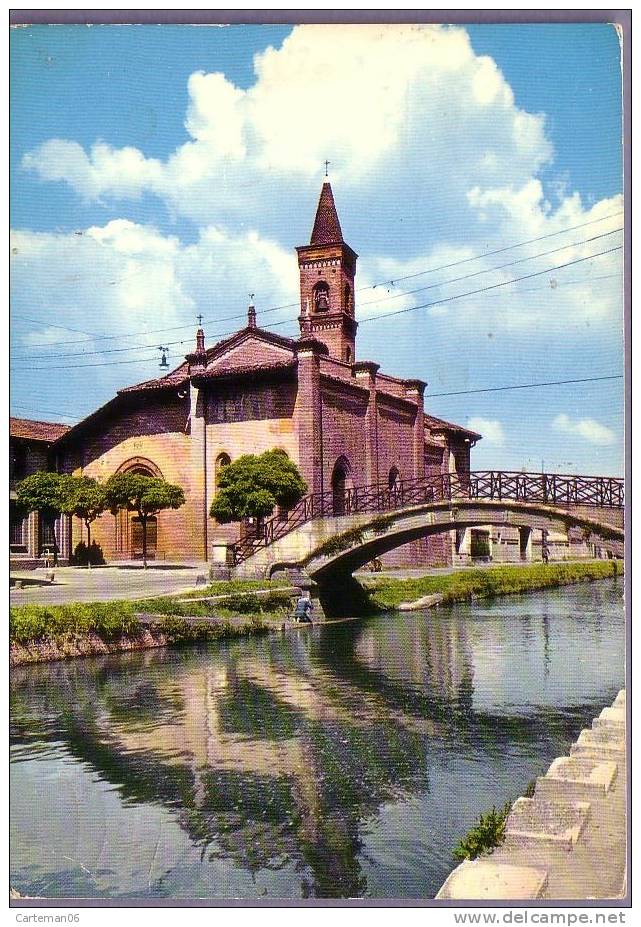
<point x="327" y="268"/>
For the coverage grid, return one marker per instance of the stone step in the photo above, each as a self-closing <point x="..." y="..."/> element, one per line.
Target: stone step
<point x="571" y="777"/>
<point x="598" y="754"/>
<point x="611" y="717"/>
<point x="483" y="880"/>
<point x="539" y="820"/>
<point x="610" y="741"/>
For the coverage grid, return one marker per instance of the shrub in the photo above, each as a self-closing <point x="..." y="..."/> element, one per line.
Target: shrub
<point x="487" y="834"/>
<point x="84" y="555"/>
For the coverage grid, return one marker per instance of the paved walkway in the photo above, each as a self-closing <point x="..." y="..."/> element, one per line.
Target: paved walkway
<point x="567" y="842"/>
<point x="72" y="584"/>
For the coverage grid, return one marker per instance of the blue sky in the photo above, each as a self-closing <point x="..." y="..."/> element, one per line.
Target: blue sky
<point x="162" y="171"/>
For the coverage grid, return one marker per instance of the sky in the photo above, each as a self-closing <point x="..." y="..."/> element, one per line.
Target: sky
<point x="158" y="172"/>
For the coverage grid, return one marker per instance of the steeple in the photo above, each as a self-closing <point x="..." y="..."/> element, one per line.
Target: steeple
<point x="327" y="268"/>
<point x="327" y="228"/>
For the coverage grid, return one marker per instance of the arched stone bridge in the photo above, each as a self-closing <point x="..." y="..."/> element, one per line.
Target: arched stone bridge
<point x="373" y="520"/>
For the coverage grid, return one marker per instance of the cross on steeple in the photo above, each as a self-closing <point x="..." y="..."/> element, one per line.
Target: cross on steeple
<point x="200" y="320"/>
<point x="327" y="164"/>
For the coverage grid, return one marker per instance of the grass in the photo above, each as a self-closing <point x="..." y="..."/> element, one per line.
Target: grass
<point x="385" y="593"/>
<point x="108" y="620"/>
<point x="111" y="620"/>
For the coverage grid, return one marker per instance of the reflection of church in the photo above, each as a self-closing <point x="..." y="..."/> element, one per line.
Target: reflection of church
<point x="341" y="419"/>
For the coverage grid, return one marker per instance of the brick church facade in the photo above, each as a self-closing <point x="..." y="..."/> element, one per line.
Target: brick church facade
<point x="339" y="418"/>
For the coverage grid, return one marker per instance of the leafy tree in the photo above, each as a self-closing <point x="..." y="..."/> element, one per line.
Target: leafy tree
<point x="145" y="495"/>
<point x="253" y="485"/>
<point x="42" y="492"/>
<point x="85" y="498"/>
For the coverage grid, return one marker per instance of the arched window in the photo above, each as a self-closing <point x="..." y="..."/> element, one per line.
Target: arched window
<point x="223" y="460"/>
<point x="348" y="298"/>
<point x="340" y="484"/>
<point x="321" y="297"/>
<point x="348" y="354"/>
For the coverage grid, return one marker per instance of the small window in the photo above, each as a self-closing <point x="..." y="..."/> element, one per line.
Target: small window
<point x="16" y="528"/>
<point x="348" y="355"/>
<point x="223" y="460"/>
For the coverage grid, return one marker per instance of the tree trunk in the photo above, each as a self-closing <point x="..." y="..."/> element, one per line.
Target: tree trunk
<point x="88" y="526"/>
<point x="143" y="519"/>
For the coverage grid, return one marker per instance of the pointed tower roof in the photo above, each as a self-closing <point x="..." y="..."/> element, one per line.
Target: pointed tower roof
<point x="327" y="228"/>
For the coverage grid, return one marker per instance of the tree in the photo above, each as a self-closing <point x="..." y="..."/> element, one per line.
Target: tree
<point x="145" y="495"/>
<point x="85" y="498"/>
<point x="253" y="485"/>
<point x="42" y="492"/>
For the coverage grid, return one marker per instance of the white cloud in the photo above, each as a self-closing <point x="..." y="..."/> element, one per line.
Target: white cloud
<point x="370" y="97"/>
<point x="124" y="278"/>
<point x="587" y="428"/>
<point x="491" y="429"/>
<point x="432" y="162"/>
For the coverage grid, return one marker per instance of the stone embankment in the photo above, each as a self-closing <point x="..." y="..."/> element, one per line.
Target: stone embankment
<point x="568" y="841"/>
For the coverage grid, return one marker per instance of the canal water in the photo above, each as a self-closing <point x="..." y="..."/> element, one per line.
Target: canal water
<point x="345" y="761"/>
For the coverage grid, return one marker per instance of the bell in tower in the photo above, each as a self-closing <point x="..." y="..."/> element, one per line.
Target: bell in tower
<point x="327" y="267"/>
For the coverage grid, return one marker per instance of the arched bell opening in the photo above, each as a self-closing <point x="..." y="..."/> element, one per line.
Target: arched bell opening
<point x="321" y="296"/>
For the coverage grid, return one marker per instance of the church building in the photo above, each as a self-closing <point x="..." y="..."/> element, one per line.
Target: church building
<point x="338" y="417"/>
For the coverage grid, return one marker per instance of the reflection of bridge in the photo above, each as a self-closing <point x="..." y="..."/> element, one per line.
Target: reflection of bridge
<point x="330" y="532"/>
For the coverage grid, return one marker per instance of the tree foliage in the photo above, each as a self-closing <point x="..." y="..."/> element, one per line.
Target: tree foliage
<point x="85" y="498"/>
<point x="41" y="492"/>
<point x="145" y="495"/>
<point x="253" y="485"/>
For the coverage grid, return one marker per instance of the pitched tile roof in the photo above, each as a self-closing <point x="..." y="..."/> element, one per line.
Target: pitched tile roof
<point x="176" y="378"/>
<point x="327" y="228"/>
<point x="439" y="424"/>
<point x="36" y="431"/>
<point x="225" y="372"/>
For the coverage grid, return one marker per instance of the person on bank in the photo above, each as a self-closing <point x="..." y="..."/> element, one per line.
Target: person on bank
<point x="304" y="608"/>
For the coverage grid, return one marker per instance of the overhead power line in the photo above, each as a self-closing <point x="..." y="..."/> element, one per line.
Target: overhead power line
<point x="493" y="286"/>
<point x="500" y="389"/>
<point x="435" y="302"/>
<point x="391" y="282"/>
<point x="395" y="296"/>
<point x="487" y="270"/>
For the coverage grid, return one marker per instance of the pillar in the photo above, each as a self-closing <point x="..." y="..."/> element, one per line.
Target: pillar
<point x="365" y="374"/>
<point x="414" y="390"/>
<point x="309" y="419"/>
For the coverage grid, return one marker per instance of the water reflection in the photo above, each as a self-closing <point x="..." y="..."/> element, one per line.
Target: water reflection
<point x="337" y="763"/>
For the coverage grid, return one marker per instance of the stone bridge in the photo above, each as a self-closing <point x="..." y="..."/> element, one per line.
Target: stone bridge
<point x="371" y="521"/>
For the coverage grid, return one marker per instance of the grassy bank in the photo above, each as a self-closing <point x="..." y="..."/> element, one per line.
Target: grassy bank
<point x="49" y="632"/>
<point x="387" y="593"/>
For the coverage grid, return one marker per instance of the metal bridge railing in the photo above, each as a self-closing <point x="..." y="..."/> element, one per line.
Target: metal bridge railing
<point x="499" y="485"/>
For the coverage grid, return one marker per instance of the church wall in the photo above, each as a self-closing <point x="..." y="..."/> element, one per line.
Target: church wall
<point x="344" y="431"/>
<point x="395" y="438"/>
<point x="247" y="419"/>
<point x="155" y="431"/>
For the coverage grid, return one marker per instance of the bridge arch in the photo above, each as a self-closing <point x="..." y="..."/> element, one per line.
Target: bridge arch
<point x="368" y="536"/>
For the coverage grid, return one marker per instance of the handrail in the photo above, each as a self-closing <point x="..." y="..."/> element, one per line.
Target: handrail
<point x="508" y="485"/>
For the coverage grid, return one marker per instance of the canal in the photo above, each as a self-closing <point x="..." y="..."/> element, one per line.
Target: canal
<point x="339" y="762"/>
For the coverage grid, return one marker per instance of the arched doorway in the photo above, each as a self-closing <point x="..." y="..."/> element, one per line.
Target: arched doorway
<point x="340" y="484"/>
<point x="129" y="529"/>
